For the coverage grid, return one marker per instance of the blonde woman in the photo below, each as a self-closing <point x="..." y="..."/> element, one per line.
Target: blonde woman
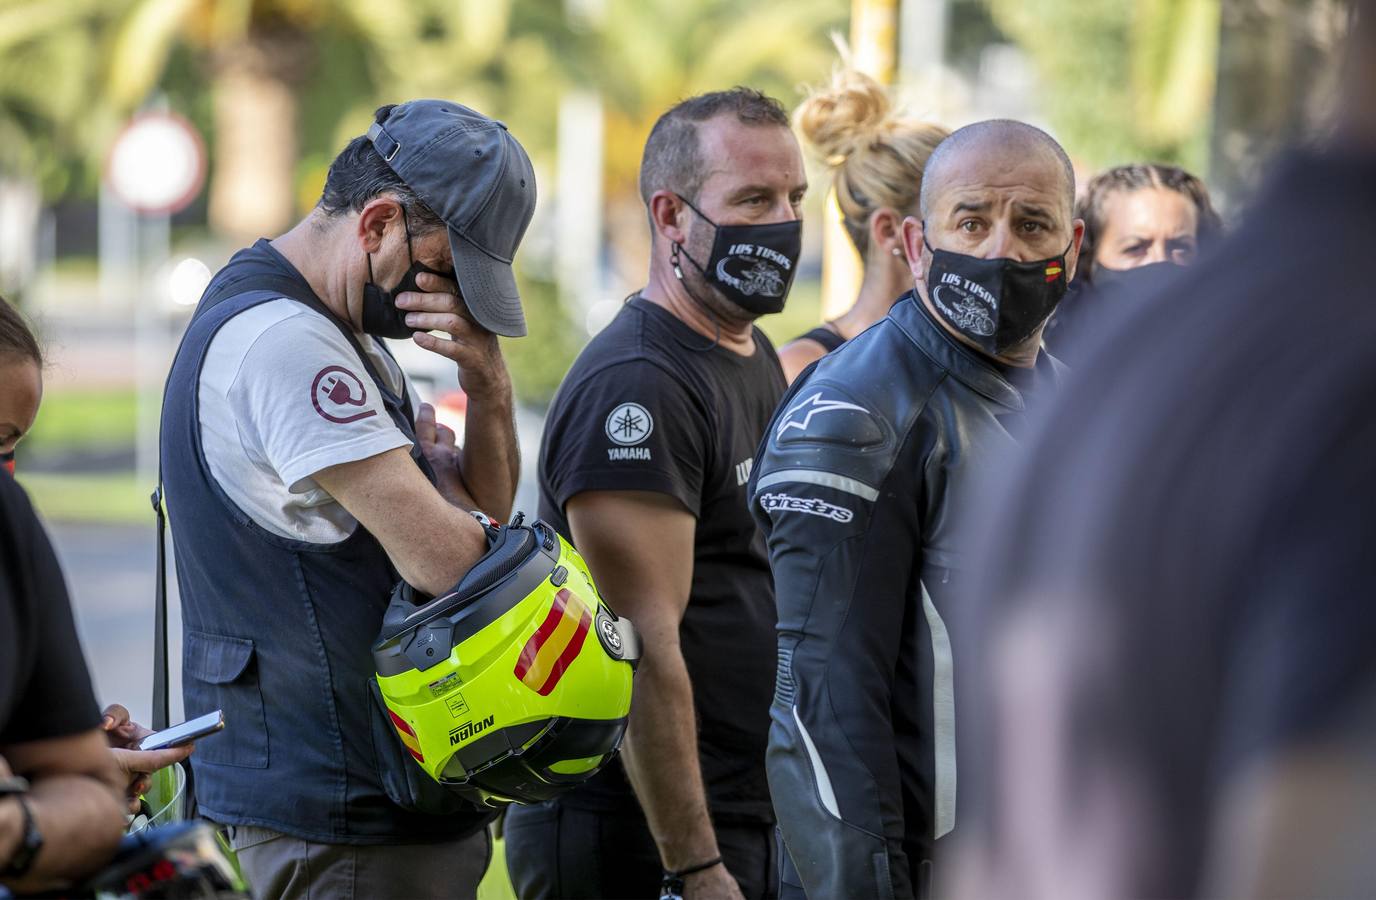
<point x="876" y="156"/>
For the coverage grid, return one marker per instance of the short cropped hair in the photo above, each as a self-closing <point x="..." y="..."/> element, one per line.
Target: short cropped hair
<point x="999" y="132"/>
<point x="1126" y="179"/>
<point x="673" y="155"/>
<point x="360" y="174"/>
<point x="16" y="338"/>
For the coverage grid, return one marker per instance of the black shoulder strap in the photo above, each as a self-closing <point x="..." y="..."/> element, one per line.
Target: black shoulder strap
<point x="829" y="339"/>
<point x="160" y="707"/>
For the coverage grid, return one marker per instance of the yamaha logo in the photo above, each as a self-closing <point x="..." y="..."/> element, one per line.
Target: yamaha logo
<point x="629" y="423"/>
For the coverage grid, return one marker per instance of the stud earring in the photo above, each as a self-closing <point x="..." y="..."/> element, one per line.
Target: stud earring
<point x="896" y="251"/>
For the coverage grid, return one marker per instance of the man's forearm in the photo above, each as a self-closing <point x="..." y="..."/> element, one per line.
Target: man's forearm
<point x="81" y="822"/>
<point x="661" y="757"/>
<point x="491" y="454"/>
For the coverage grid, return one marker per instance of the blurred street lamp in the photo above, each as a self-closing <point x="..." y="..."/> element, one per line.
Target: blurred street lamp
<point x="187" y="280"/>
<point x="155" y="168"/>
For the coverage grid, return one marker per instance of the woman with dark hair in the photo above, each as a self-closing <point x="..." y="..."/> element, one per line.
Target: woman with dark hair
<point x="1140" y="220"/>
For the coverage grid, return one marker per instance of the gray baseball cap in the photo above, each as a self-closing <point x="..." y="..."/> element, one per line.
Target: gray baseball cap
<point x="477" y="178"/>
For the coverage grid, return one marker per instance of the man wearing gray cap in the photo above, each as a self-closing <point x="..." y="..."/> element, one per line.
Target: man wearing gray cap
<point x="303" y="478"/>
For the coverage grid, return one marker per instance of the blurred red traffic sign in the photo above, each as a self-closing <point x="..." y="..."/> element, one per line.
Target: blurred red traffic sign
<point x="156" y="163"/>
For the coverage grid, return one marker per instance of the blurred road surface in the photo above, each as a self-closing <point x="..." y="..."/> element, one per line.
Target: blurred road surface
<point x="109" y="572"/>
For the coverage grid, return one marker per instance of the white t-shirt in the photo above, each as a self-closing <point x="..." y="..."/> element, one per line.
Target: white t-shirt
<point x="282" y="396"/>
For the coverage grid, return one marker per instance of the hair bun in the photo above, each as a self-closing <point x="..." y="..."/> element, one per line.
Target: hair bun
<point x="845" y="116"/>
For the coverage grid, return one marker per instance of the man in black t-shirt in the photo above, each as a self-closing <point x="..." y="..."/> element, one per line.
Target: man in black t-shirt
<point x="69" y="819"/>
<point x="644" y="464"/>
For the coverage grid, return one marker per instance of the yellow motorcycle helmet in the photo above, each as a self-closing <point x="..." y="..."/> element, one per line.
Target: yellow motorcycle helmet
<point x="515" y="684"/>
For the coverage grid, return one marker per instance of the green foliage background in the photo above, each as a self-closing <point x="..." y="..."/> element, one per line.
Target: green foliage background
<point x="1119" y="79"/>
<point x="1122" y="81"/>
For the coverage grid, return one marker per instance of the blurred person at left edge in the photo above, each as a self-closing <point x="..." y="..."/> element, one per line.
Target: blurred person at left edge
<point x="302" y="480"/>
<point x="60" y="783"/>
<point x="21" y="391"/>
<point x="60" y="815"/>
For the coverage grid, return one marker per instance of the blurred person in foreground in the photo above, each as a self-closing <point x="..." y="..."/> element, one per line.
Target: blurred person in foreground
<point x="876" y="155"/>
<point x="1179" y="690"/>
<point x="21" y="392"/>
<point x="303" y="480"/>
<point x="643" y="465"/>
<point x="1142" y="222"/>
<point x="60" y="787"/>
<point x="866" y="470"/>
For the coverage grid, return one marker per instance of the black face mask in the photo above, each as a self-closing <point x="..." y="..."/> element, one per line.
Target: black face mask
<point x="1120" y="281"/>
<point x="996" y="303"/>
<point x="752" y="265"/>
<point x="381" y="318"/>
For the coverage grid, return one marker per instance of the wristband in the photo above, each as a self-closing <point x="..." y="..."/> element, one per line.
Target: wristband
<point x="30" y="843"/>
<point x="671" y="887"/>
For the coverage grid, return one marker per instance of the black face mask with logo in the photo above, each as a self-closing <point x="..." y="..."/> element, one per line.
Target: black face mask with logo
<point x="996" y="303"/>
<point x="381" y="318"/>
<point x="752" y="265"/>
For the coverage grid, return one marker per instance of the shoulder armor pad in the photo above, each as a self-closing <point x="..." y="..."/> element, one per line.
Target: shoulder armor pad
<point x="824" y="414"/>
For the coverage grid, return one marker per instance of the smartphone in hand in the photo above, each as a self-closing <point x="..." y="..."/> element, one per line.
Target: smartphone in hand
<point x="186" y="732"/>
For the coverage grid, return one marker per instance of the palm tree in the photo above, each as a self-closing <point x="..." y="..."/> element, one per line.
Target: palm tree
<point x="48" y="76"/>
<point x="260" y="54"/>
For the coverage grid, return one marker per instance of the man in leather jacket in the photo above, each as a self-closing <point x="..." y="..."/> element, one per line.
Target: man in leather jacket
<point x="871" y="454"/>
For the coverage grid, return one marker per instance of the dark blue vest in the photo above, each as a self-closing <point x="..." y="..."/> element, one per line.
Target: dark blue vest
<point x="277" y="632"/>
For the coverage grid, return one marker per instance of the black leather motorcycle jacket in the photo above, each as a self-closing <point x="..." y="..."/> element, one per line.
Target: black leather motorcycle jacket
<point x="857" y="487"/>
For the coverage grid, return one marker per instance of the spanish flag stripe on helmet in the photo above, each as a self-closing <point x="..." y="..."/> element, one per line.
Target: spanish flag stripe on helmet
<point x="551" y="649"/>
<point x="401" y="724"/>
<point x="532" y="647"/>
<point x="408" y="736"/>
<point x="568" y="656"/>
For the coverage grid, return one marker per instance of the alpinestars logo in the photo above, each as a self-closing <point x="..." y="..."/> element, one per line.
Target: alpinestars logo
<point x="800" y="415"/>
<point x="468" y="730"/>
<point x="810" y="505"/>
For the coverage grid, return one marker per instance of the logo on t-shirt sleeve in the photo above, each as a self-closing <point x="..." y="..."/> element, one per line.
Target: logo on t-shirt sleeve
<point x="629" y="424"/>
<point x="339" y="396"/>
